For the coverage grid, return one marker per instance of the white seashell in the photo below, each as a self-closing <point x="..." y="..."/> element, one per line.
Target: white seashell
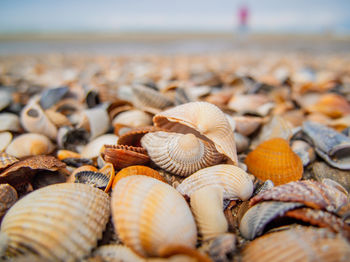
<point x="9" y="122"/>
<point x="93" y="148"/>
<point x="98" y="121"/>
<point x="5" y="99"/>
<point x="5" y="140"/>
<point x="150" y="215"/>
<point x="30" y="144"/>
<point x="133" y="118"/>
<point x="203" y="119"/>
<point x="236" y="183"/>
<point x="34" y="120"/>
<point x="207" y="207"/>
<point x="178" y="153"/>
<point x="60" y="222"/>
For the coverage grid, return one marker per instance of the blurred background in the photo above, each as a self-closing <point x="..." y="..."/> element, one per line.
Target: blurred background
<point x="166" y="27"/>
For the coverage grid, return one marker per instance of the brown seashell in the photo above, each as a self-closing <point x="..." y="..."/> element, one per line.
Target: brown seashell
<point x="8" y="196"/>
<point x="332" y="105"/>
<point x="123" y="156"/>
<point x="6" y="160"/>
<point x="311" y="193"/>
<point x="178" y="153"/>
<point x="298" y="244"/>
<point x="137" y="170"/>
<point x="203" y="120"/>
<point x="246" y="125"/>
<point x="275" y="160"/>
<point x="144" y="96"/>
<point x="133" y="137"/>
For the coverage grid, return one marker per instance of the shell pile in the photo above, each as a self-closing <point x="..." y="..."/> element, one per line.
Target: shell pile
<point x="184" y="158"/>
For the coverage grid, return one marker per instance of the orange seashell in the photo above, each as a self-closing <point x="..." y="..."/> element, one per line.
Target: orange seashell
<point x="63" y="154"/>
<point x="123" y="156"/>
<point x="332" y="105"/>
<point x="137" y="170"/>
<point x="108" y="170"/>
<point x="275" y="160"/>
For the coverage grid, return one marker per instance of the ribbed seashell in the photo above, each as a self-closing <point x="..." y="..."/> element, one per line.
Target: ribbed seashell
<point x="30" y="144"/>
<point x="321" y="219"/>
<point x="332" y="146"/>
<point x="311" y="193"/>
<point x="114" y="253"/>
<point x="51" y="96"/>
<point x="298" y="244"/>
<point x="332" y="105"/>
<point x="123" y="156"/>
<point x="59" y="222"/>
<point x="178" y="153"/>
<point x="98" y="121"/>
<point x="133" y="137"/>
<point x="9" y="122"/>
<point x="6" y="160"/>
<point x="246" y="125"/>
<point x="137" y="170"/>
<point x="164" y="219"/>
<point x="275" y="160"/>
<point x="257" y="217"/>
<point x="8" y="196"/>
<point x="200" y="118"/>
<point x="93" y="148"/>
<point x="93" y="178"/>
<point x="208" y="210"/>
<point x="235" y="182"/>
<point x="34" y="120"/>
<point x="304" y="151"/>
<point x="254" y="103"/>
<point x="132" y="118"/>
<point x="5" y="140"/>
<point x="147" y="97"/>
<point x="71" y="178"/>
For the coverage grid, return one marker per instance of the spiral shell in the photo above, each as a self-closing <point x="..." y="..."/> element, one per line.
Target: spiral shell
<point x="150" y="215"/>
<point x="178" y="153"/>
<point x="60" y="222"/>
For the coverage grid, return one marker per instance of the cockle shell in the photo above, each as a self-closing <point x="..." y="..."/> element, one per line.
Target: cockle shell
<point x="275" y="160"/>
<point x="164" y="219"/>
<point x="34" y="120"/>
<point x="298" y="244"/>
<point x="9" y="122"/>
<point x="115" y="253"/>
<point x="200" y="118"/>
<point x="5" y="140"/>
<point x="235" y="182"/>
<point x="332" y="105"/>
<point x="144" y="96"/>
<point x="178" y="153"/>
<point x="257" y="217"/>
<point x="207" y="208"/>
<point x="93" y="148"/>
<point x="311" y="193"/>
<point x="8" y="196"/>
<point x="30" y="144"/>
<point x="60" y="222"/>
<point x="6" y="160"/>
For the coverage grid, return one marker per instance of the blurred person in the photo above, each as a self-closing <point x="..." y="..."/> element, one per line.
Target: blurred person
<point x="243" y="17"/>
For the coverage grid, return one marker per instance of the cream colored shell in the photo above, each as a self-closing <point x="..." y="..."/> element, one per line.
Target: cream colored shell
<point x="178" y="153"/>
<point x="149" y="215"/>
<point x="93" y="148"/>
<point x="133" y="118"/>
<point x="60" y="222"/>
<point x="9" y="122"/>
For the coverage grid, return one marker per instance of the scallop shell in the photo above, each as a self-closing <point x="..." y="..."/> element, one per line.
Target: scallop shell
<point x="6" y="160"/>
<point x="257" y="217"/>
<point x="200" y="118"/>
<point x="298" y="244"/>
<point x="8" y="196"/>
<point x="147" y="97"/>
<point x="93" y="148"/>
<point x="34" y="120"/>
<point x="60" y="222"/>
<point x="311" y="193"/>
<point x="246" y="125"/>
<point x="30" y="144"/>
<point x="208" y="210"/>
<point x="178" y="153"/>
<point x="5" y="140"/>
<point x="110" y="253"/>
<point x="9" y="122"/>
<point x="164" y="219"/>
<point x="275" y="160"/>
<point x="235" y="182"/>
<point x="332" y="105"/>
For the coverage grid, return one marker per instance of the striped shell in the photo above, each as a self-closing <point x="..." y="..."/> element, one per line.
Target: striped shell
<point x="60" y="222"/>
<point x="298" y="244"/>
<point x="6" y="160"/>
<point x="150" y="215"/>
<point x="275" y="160"/>
<point x="235" y="182"/>
<point x="148" y="97"/>
<point x="180" y="154"/>
<point x="200" y="118"/>
<point x="8" y="196"/>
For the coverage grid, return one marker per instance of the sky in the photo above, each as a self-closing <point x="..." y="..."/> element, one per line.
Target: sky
<point x="174" y="15"/>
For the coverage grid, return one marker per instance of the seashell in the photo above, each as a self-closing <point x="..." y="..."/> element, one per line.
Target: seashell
<point x="8" y="196"/>
<point x="311" y="193"/>
<point x="30" y="144"/>
<point x="259" y="216"/>
<point x="98" y="120"/>
<point x="59" y="222"/>
<point x="9" y="122"/>
<point x="72" y="138"/>
<point x="242" y="142"/>
<point x="164" y="220"/>
<point x="246" y="125"/>
<point x="63" y="154"/>
<point x="5" y="140"/>
<point x="298" y="244"/>
<point x="68" y="106"/>
<point x="57" y="118"/>
<point x="222" y="248"/>
<point x="108" y="171"/>
<point x="254" y="104"/>
<point x="331" y="145"/>
<point x="51" y="96"/>
<point x="71" y="178"/>
<point x="93" y="178"/>
<point x="34" y="120"/>
<point x="144" y="96"/>
<point x="180" y="253"/>
<point x="93" y="148"/>
<point x="123" y="156"/>
<point x="116" y="253"/>
<point x="330" y="104"/>
<point x="132" y="118"/>
<point x="5" y="99"/>
<point x="133" y="137"/>
<point x="77" y="162"/>
<point x="235" y="182"/>
<point x="178" y="153"/>
<point x="203" y="120"/>
<point x="208" y="210"/>
<point x="304" y="151"/>
<point x="321" y="219"/>
<point x="137" y="170"/>
<point x="275" y="160"/>
<point x="6" y="160"/>
<point x="332" y="183"/>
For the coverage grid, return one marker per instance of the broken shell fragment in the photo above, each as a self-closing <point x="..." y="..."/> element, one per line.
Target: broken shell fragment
<point x="98" y="121"/>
